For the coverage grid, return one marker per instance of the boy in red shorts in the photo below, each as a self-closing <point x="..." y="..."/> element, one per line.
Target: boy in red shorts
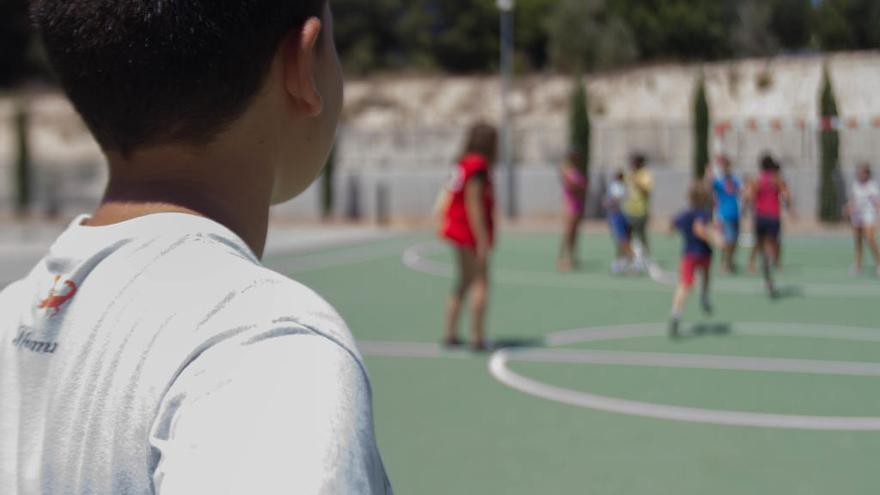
<point x="694" y="224"/>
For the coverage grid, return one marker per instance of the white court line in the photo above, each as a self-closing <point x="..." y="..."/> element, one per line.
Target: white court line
<point x="499" y="360"/>
<point x="409" y="349"/>
<point x="761" y="328"/>
<point x="318" y="261"/>
<point x="498" y="367"/>
<point x="664" y="277"/>
<point x="415" y="258"/>
<point x="693" y="361"/>
<point x="500" y="370"/>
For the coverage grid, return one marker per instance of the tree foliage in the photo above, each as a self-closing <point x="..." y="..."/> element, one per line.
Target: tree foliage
<point x="678" y="29"/>
<point x="579" y="125"/>
<point x="586" y="34"/>
<point x="848" y="24"/>
<point x="829" y="202"/>
<point x="701" y="130"/>
<point x="791" y="22"/>
<point x="752" y="34"/>
<point x="327" y="189"/>
<point x="15" y="41"/>
<point x="23" y="161"/>
<point x="461" y="36"/>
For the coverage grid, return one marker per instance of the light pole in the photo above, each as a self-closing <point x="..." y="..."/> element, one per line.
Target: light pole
<point x="506" y="8"/>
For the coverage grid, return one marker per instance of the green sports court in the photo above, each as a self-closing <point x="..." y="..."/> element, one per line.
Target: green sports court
<point x="586" y="394"/>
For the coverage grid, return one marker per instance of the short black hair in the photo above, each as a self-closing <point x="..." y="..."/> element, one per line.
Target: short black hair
<point x="768" y="164"/>
<point x="146" y="72"/>
<point x="637" y="160"/>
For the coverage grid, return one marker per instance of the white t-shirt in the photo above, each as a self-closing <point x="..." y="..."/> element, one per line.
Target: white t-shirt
<point x="616" y="195"/>
<point x="865" y="199"/>
<point x="158" y="356"/>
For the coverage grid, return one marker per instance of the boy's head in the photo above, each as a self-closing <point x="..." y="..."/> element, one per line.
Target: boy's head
<point x="147" y="73"/>
<point x="864" y="172"/>
<point x="619" y="175"/>
<point x="726" y="167"/>
<point x="637" y="161"/>
<point x="768" y="164"/>
<point x="482" y="139"/>
<point x="698" y="196"/>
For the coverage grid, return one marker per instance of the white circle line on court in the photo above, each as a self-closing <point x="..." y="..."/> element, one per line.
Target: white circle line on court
<point x="334" y="258"/>
<point x="409" y="350"/>
<point x="499" y="368"/>
<point x="693" y="361"/>
<point x="415" y="258"/>
<point x="663" y="277"/>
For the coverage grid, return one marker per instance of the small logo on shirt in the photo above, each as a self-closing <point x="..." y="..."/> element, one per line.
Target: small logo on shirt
<point x="24" y="341"/>
<point x="55" y="300"/>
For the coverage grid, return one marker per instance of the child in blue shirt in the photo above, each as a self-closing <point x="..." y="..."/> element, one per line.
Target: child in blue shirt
<point x="620" y="231"/>
<point x="694" y="226"/>
<point x="727" y="189"/>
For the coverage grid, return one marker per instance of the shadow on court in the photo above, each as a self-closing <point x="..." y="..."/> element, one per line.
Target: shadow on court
<point x="702" y="330"/>
<point x="788" y="292"/>
<point x="517" y="342"/>
<point x="594" y="266"/>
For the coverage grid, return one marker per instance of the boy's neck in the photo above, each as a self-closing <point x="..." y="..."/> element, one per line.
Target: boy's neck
<point x="230" y="190"/>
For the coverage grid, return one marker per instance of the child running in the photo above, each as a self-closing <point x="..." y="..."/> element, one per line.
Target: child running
<point x="637" y="208"/>
<point x="727" y="188"/>
<point x="469" y="226"/>
<point x="150" y="351"/>
<point x="694" y="224"/>
<point x="574" y="188"/>
<point x="617" y="224"/>
<point x="863" y="209"/>
<point x="768" y="194"/>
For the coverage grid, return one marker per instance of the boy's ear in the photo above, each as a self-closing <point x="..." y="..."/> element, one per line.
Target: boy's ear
<point x="300" y="55"/>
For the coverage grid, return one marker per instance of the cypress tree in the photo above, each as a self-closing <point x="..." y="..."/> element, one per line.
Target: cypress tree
<point x="829" y="202"/>
<point x="327" y="186"/>
<point x="22" y="162"/>
<point x="701" y="129"/>
<point x="579" y="125"/>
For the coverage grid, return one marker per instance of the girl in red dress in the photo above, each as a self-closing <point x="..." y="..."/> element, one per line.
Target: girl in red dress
<point x="468" y="224"/>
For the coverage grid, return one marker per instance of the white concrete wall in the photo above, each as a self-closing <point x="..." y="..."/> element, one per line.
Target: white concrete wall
<point x="411" y="194"/>
<point x="410" y="129"/>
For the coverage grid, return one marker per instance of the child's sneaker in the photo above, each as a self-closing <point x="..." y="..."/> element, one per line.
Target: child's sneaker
<point x="673" y="327"/>
<point x="637" y="266"/>
<point x="706" y="306"/>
